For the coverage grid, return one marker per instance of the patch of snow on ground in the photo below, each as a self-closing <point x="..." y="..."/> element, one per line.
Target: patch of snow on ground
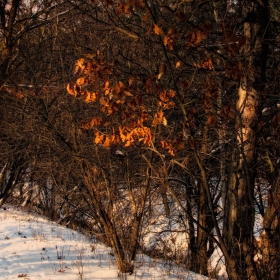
<point x="32" y="247"/>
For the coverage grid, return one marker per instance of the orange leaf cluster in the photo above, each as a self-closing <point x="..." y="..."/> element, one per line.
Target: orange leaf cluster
<point x="98" y="137"/>
<point x="124" y="135"/>
<point x="128" y="126"/>
<point x="142" y="134"/>
<point x="91" y="96"/>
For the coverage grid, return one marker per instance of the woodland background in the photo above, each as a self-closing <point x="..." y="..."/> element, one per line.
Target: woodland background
<point x="116" y="115"/>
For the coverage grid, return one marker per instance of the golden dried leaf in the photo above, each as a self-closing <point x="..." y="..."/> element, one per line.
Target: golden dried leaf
<point x="106" y="142"/>
<point x="163" y="96"/>
<point x="69" y="90"/>
<point x="80" y="81"/>
<point x="127" y="93"/>
<point x="157" y="29"/>
<point x="159" y="118"/>
<point x="163" y="144"/>
<point x="164" y="121"/>
<point x="79" y="65"/>
<point x="95" y="121"/>
<point x="171" y="152"/>
<point x="116" y="90"/>
<point x="165" y="40"/>
<point x="103" y="101"/>
<point x="121" y="85"/>
<point x="128" y="143"/>
<point x="87" y="99"/>
<point x="98" y="138"/>
<point x="178" y="64"/>
<point x="106" y="85"/>
<point x="90" y="97"/>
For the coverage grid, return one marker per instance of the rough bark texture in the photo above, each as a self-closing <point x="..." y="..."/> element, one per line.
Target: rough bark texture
<point x="270" y="240"/>
<point x="240" y="211"/>
<point x="8" y="184"/>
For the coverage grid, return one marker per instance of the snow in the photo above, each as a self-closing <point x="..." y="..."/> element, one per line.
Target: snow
<point x="32" y="247"/>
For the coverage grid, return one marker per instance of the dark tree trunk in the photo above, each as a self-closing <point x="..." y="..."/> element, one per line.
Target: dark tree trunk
<point x="270" y="240"/>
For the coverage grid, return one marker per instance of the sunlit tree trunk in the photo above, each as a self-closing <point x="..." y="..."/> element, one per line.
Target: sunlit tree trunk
<point x="240" y="212"/>
<point x="240" y="209"/>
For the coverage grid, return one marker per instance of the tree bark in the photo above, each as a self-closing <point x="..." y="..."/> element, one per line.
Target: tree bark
<point x="13" y="177"/>
<point x="240" y="209"/>
<point x="270" y="240"/>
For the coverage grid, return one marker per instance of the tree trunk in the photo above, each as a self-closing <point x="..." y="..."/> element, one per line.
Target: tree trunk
<point x="240" y="210"/>
<point x="201" y="235"/>
<point x="270" y="240"/>
<point x="13" y="177"/>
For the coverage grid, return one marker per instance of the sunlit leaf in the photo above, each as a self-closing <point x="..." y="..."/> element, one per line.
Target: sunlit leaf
<point x="103" y="101"/>
<point x="106" y="142"/>
<point x="95" y="121"/>
<point x="69" y="90"/>
<point x="79" y="65"/>
<point x="156" y="29"/>
<point x="98" y="138"/>
<point x="80" y="81"/>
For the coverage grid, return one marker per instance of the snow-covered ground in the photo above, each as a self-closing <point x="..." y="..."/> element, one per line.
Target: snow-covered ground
<point x="32" y="247"/>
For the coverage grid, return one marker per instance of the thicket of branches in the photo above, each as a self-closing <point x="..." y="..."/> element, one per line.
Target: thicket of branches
<point x="115" y="115"/>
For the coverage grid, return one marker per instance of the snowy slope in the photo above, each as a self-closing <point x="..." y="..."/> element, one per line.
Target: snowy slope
<point x="31" y="247"/>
